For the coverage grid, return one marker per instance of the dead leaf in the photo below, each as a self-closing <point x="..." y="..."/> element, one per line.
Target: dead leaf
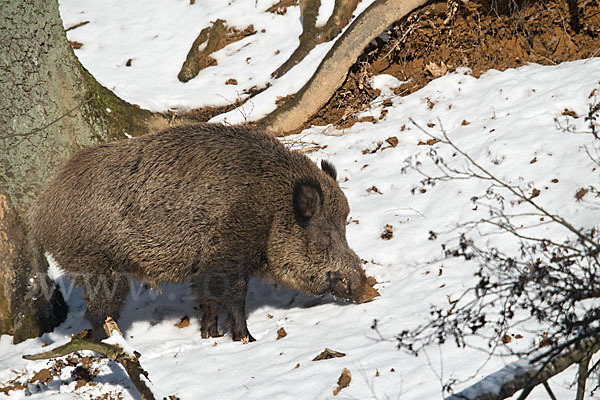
<point x="393" y="141"/>
<point x="371" y="281"/>
<point x="535" y="193"/>
<point x="429" y="142"/>
<point x="368" y="293"/>
<point x="430" y="103"/>
<point x="580" y="193"/>
<point x="75" y="44"/>
<point x="328" y="354"/>
<point x="570" y="113"/>
<point x="183" y="322"/>
<point x="297" y="366"/>
<point x="231" y="81"/>
<point x="281" y="333"/>
<point x="436" y="70"/>
<point x="388" y="232"/>
<point x="368" y="118"/>
<point x="465" y="122"/>
<point x="506" y="339"/>
<point x="343" y="381"/>
<point x="43" y="376"/>
<point x="534" y="160"/>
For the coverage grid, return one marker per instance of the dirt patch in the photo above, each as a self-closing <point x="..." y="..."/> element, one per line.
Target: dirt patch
<point x="479" y="35"/>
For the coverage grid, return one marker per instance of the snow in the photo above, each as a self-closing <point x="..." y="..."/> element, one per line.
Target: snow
<point x="325" y="11"/>
<point x="160" y="34"/>
<point x="503" y="120"/>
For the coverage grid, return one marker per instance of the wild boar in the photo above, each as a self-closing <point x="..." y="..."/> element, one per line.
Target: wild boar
<point x="208" y="204"/>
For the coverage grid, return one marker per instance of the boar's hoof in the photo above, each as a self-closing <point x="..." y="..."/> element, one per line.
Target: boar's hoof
<point x="211" y="331"/>
<point x="243" y="337"/>
<point x="97" y="334"/>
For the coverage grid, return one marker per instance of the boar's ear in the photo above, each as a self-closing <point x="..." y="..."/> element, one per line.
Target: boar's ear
<point x="308" y="199"/>
<point x="329" y="169"/>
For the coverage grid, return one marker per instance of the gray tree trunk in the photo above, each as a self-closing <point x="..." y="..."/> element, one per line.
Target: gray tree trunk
<point x="50" y="107"/>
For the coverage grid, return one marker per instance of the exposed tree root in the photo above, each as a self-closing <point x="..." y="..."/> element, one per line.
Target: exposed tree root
<point x="313" y="35"/>
<point x="333" y="69"/>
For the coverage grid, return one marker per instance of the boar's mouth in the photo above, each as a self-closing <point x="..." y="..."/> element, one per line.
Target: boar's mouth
<point x="339" y="285"/>
<point x="354" y="289"/>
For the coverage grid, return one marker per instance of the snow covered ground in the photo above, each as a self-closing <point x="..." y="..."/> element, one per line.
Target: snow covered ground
<point x="504" y="120"/>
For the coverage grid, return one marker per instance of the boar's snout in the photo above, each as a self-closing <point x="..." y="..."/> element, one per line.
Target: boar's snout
<point x="350" y="286"/>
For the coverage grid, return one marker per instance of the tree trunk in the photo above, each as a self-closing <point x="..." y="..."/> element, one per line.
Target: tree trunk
<point x="49" y="108"/>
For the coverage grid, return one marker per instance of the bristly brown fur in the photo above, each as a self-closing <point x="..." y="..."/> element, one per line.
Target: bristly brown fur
<point x="206" y="203"/>
<point x="329" y="169"/>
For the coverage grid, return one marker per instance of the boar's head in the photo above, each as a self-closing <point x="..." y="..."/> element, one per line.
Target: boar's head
<point x="307" y="248"/>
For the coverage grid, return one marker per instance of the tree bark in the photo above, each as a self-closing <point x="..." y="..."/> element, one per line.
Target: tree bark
<point x="49" y="108"/>
<point x="333" y="69"/>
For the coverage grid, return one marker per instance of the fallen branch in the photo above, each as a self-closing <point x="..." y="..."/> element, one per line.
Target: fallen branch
<point x="524" y="374"/>
<point x="82" y="341"/>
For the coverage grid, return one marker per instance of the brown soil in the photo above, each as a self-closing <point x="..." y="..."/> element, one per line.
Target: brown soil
<point x="479" y="35"/>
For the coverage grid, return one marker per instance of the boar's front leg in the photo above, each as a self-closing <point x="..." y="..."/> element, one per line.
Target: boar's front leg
<point x="228" y="289"/>
<point x="235" y="304"/>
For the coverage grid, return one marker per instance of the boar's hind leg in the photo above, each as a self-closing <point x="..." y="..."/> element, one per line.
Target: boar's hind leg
<point x="210" y="315"/>
<point x="105" y="294"/>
